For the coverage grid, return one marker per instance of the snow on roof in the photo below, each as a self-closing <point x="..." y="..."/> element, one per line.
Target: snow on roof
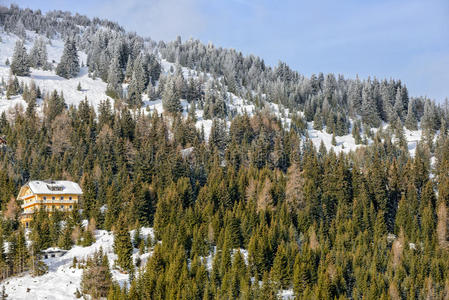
<point x="54" y="187"/>
<point x="53" y="249"/>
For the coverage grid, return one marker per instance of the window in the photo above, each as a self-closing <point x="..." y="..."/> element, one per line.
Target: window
<point x="62" y="198"/>
<point x="70" y="198"/>
<point x="45" y="198"/>
<point x="62" y="206"/>
<point x="70" y="207"/>
<point x="53" y="198"/>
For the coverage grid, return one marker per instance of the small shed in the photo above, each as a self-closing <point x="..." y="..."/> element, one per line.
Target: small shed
<point x="53" y="252"/>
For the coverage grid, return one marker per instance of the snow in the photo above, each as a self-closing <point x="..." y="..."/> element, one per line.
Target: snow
<point x="287" y="294"/>
<point x="187" y="152"/>
<point x="62" y="280"/>
<point x="345" y="143"/>
<point x="42" y="187"/>
<point x="94" y="91"/>
<point x="48" y="81"/>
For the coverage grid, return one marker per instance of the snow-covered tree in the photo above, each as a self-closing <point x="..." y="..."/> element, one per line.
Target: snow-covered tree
<point x="140" y="74"/>
<point x="430" y="120"/>
<point x="368" y="110"/>
<point x="69" y="65"/>
<point x="20" y="63"/>
<point x="38" y="54"/>
<point x="115" y="77"/>
<point x="134" y="98"/>
<point x="410" y="121"/>
<point x="170" y="101"/>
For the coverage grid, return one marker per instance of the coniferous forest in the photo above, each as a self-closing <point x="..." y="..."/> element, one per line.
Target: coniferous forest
<point x="246" y="212"/>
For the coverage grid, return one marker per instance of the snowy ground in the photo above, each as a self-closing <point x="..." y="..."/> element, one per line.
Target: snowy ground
<point x="94" y="91"/>
<point x="62" y="280"/>
<point x="48" y="81"/>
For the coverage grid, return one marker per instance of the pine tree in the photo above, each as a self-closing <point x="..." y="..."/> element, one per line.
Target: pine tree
<point x="3" y="262"/>
<point x="429" y="120"/>
<point x="129" y="69"/>
<point x="12" y="87"/>
<point x="97" y="278"/>
<point x="134" y="94"/>
<point x="123" y="246"/>
<point x="192" y="112"/>
<point x="369" y="111"/>
<point x="301" y="275"/>
<point x="38" y="54"/>
<point x="113" y="205"/>
<point x="65" y="239"/>
<point x="280" y="272"/>
<point x="87" y="238"/>
<point x="170" y="101"/>
<point x="317" y="120"/>
<point x="68" y="66"/>
<point x="410" y="121"/>
<point x="115" y="77"/>
<point x="140" y="74"/>
<point x="40" y="231"/>
<point x="20" y="62"/>
<point x="18" y="252"/>
<point x="294" y="189"/>
<point x="356" y="132"/>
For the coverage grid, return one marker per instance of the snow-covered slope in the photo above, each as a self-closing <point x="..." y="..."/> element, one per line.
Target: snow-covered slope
<point x="62" y="281"/>
<point x="48" y="81"/>
<point x="94" y="91"/>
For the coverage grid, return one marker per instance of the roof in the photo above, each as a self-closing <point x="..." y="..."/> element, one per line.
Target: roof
<point x="55" y="187"/>
<point x="53" y="249"/>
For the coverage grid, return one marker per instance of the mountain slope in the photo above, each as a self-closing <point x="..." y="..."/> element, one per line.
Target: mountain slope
<point x="94" y="90"/>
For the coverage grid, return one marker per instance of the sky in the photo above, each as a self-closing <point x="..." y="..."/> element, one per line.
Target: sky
<point x="400" y="39"/>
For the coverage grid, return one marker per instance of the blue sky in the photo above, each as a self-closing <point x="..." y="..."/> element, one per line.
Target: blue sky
<point x="403" y="39"/>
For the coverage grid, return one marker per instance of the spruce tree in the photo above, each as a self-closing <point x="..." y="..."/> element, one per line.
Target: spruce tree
<point x="140" y="74"/>
<point x="68" y="66"/>
<point x="170" y="101"/>
<point x="368" y="110"/>
<point x="38" y="54"/>
<point x="97" y="278"/>
<point x="65" y="239"/>
<point x="317" y="120"/>
<point x="134" y="94"/>
<point x="410" y="121"/>
<point x="115" y="77"/>
<point x="123" y="246"/>
<point x="20" y="62"/>
<point x="18" y="252"/>
<point x="280" y="272"/>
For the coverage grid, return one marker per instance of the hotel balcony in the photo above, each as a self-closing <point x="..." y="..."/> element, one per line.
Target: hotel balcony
<point x="49" y="202"/>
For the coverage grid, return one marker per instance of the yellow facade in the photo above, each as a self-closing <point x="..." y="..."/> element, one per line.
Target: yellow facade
<point x="33" y="202"/>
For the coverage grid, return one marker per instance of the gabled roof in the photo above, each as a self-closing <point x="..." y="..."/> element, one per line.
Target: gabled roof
<point x="55" y="187"/>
